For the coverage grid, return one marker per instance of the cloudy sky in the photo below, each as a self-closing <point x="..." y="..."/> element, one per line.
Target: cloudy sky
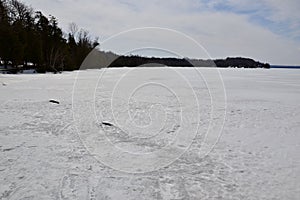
<point x="266" y="30"/>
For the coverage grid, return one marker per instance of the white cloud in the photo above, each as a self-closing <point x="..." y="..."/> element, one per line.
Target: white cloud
<point x="284" y="10"/>
<point x="284" y="15"/>
<point x="223" y="33"/>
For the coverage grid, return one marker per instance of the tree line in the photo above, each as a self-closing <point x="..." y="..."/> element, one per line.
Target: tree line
<point x="135" y="61"/>
<point x="28" y="38"/>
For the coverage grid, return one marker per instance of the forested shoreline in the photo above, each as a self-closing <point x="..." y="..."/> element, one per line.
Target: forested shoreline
<point x="135" y="61"/>
<point x="31" y="40"/>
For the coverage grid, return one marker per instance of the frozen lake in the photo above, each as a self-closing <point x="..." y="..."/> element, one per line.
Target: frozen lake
<point x="151" y="133"/>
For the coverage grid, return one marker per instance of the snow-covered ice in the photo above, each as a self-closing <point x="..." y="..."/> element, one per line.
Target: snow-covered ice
<point x="101" y="141"/>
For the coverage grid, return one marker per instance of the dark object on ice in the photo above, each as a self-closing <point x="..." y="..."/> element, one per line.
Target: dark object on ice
<point x="53" y="101"/>
<point x="106" y="124"/>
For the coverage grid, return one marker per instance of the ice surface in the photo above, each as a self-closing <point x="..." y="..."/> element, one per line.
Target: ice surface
<point x="61" y="151"/>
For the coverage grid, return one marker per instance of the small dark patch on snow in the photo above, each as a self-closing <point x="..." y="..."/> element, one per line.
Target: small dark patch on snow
<point x="54" y="101"/>
<point x="8" y="149"/>
<point x="106" y="124"/>
<point x="31" y="146"/>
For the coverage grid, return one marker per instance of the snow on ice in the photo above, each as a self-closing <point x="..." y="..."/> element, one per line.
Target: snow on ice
<point x="113" y="137"/>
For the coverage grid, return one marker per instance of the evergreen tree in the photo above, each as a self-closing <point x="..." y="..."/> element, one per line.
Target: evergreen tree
<point x="31" y="37"/>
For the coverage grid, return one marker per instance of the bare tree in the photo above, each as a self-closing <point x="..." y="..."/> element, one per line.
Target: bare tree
<point x="19" y="11"/>
<point x="73" y="28"/>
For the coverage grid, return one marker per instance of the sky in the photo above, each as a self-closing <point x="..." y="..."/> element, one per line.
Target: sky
<point x="265" y="30"/>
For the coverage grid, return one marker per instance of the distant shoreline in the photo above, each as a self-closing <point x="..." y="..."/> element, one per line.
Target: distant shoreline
<point x="284" y="67"/>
